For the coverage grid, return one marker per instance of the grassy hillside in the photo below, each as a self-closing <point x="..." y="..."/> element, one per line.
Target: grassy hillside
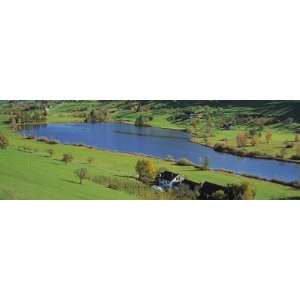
<point x="34" y="175"/>
<point x="27" y="171"/>
<point x="281" y="118"/>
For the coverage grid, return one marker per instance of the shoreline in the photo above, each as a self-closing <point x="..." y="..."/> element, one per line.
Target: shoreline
<point x="143" y="155"/>
<point x="287" y="160"/>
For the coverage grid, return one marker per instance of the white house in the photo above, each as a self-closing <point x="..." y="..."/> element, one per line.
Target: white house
<point x="168" y="180"/>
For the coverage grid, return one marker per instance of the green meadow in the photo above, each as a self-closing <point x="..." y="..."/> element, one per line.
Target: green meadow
<point x="28" y="172"/>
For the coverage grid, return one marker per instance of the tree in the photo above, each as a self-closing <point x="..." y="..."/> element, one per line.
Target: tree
<point x="241" y="139"/>
<point x="140" y="121"/>
<point x="50" y="152"/>
<point x="97" y="116"/>
<point x="81" y="174"/>
<point x="90" y="160"/>
<point x="297" y="138"/>
<point x="253" y="132"/>
<point x="205" y="139"/>
<point x="195" y="123"/>
<point x="254" y="141"/>
<point x="283" y="152"/>
<point x="248" y="191"/>
<point x="219" y="195"/>
<point x="146" y="169"/>
<point x="13" y="123"/>
<point x="297" y="155"/>
<point x="298" y="149"/>
<point x="204" y="162"/>
<point x="67" y="158"/>
<point x="183" y="192"/>
<point x="243" y="191"/>
<point x="3" y="141"/>
<point x="268" y="136"/>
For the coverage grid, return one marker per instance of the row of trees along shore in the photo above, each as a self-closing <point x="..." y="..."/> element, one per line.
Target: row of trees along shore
<point x="25" y="117"/>
<point x="204" y="127"/>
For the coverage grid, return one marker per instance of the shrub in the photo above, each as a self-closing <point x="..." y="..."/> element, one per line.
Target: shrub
<point x="184" y="162"/>
<point x="296" y="156"/>
<point x="204" y="163"/>
<point x="288" y="144"/>
<point x="67" y="158"/>
<point x="52" y="142"/>
<point x="24" y="149"/>
<point x="243" y="191"/>
<point x="3" y="141"/>
<point x="220" y="147"/>
<point x="219" y="195"/>
<point x="147" y="170"/>
<point x="195" y="123"/>
<point x="140" y="121"/>
<point x="81" y="174"/>
<point x="113" y="186"/>
<point x="248" y="191"/>
<point x="254" y="141"/>
<point x="268" y="136"/>
<point x="205" y="139"/>
<point x="283" y="152"/>
<point x="42" y="139"/>
<point x="97" y="116"/>
<point x="185" y="193"/>
<point x="241" y="152"/>
<point x="298" y="149"/>
<point x="241" y="139"/>
<point x="253" y="132"/>
<point x="296" y="183"/>
<point x="50" y="152"/>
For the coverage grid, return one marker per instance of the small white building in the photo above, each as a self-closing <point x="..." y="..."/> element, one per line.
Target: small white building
<point x="168" y="180"/>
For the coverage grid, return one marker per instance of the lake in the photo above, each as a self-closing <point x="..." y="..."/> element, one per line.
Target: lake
<point x="160" y="143"/>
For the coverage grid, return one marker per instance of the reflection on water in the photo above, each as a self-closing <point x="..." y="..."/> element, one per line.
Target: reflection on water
<point x="161" y="143"/>
<point x="150" y="135"/>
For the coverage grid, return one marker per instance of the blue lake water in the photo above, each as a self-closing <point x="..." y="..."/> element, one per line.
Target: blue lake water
<point x="160" y="143"/>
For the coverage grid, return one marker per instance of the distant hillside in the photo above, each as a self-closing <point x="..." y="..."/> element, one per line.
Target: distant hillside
<point x="279" y="110"/>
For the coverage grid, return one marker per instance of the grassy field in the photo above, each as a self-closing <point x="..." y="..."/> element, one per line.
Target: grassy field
<point x="34" y="175"/>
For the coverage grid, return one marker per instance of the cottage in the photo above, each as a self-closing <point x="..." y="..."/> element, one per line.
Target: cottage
<point x="168" y="180"/>
<point x="208" y="189"/>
